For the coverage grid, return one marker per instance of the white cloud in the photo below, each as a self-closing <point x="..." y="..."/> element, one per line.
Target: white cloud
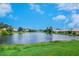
<point x="59" y="17"/>
<point x="68" y="7"/>
<point x="5" y="9"/>
<point x="36" y="8"/>
<point x="71" y="7"/>
<point x="75" y="20"/>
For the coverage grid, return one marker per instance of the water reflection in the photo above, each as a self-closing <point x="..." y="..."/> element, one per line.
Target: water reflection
<point x="49" y="37"/>
<point x="4" y="38"/>
<point x="33" y="38"/>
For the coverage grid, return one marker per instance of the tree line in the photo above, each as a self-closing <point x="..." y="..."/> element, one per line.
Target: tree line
<point x="7" y="29"/>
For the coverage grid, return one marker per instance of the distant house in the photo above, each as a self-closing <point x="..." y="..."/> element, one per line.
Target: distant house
<point x="69" y="30"/>
<point x="73" y="31"/>
<point x="4" y="29"/>
<point x="27" y="30"/>
<point x="14" y="29"/>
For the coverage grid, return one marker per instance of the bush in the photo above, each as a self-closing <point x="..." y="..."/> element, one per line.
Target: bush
<point x="4" y="32"/>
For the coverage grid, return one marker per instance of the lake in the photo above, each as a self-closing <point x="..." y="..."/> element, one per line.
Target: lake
<point x="34" y="37"/>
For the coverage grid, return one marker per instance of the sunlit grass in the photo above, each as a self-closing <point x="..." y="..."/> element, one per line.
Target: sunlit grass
<point x="60" y="48"/>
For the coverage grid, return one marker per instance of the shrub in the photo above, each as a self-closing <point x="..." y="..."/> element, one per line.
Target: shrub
<point x="4" y="32"/>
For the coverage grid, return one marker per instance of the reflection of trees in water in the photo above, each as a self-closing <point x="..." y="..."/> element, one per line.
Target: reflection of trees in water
<point x="24" y="38"/>
<point x="49" y="32"/>
<point x="9" y="39"/>
<point x="6" y="39"/>
<point x="49" y="37"/>
<point x="20" y="36"/>
<point x="3" y="39"/>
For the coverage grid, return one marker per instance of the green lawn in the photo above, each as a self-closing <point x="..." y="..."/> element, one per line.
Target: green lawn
<point x="57" y="48"/>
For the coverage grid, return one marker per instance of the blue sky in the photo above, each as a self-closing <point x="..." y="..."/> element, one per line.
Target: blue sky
<point x="40" y="15"/>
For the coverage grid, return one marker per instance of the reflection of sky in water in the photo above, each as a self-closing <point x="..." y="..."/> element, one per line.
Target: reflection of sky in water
<point x="41" y="37"/>
<point x="29" y="38"/>
<point x="33" y="37"/>
<point x="64" y="37"/>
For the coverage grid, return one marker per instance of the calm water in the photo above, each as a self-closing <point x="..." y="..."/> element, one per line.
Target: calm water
<point x="33" y="38"/>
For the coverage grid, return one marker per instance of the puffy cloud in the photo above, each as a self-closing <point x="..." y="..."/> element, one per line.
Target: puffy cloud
<point x="5" y="9"/>
<point x="59" y="17"/>
<point x="75" y="20"/>
<point x="72" y="7"/>
<point x="36" y="8"/>
<point x="68" y="6"/>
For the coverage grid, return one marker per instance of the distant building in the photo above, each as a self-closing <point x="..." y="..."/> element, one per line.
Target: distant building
<point x="14" y="29"/>
<point x="4" y="29"/>
<point x="73" y="31"/>
<point x="27" y="30"/>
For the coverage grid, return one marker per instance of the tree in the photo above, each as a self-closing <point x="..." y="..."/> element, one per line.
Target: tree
<point x="70" y="31"/>
<point x="20" y="29"/>
<point x="10" y="29"/>
<point x="49" y="30"/>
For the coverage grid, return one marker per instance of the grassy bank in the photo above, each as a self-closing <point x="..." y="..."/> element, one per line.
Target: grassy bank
<point x="57" y="48"/>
